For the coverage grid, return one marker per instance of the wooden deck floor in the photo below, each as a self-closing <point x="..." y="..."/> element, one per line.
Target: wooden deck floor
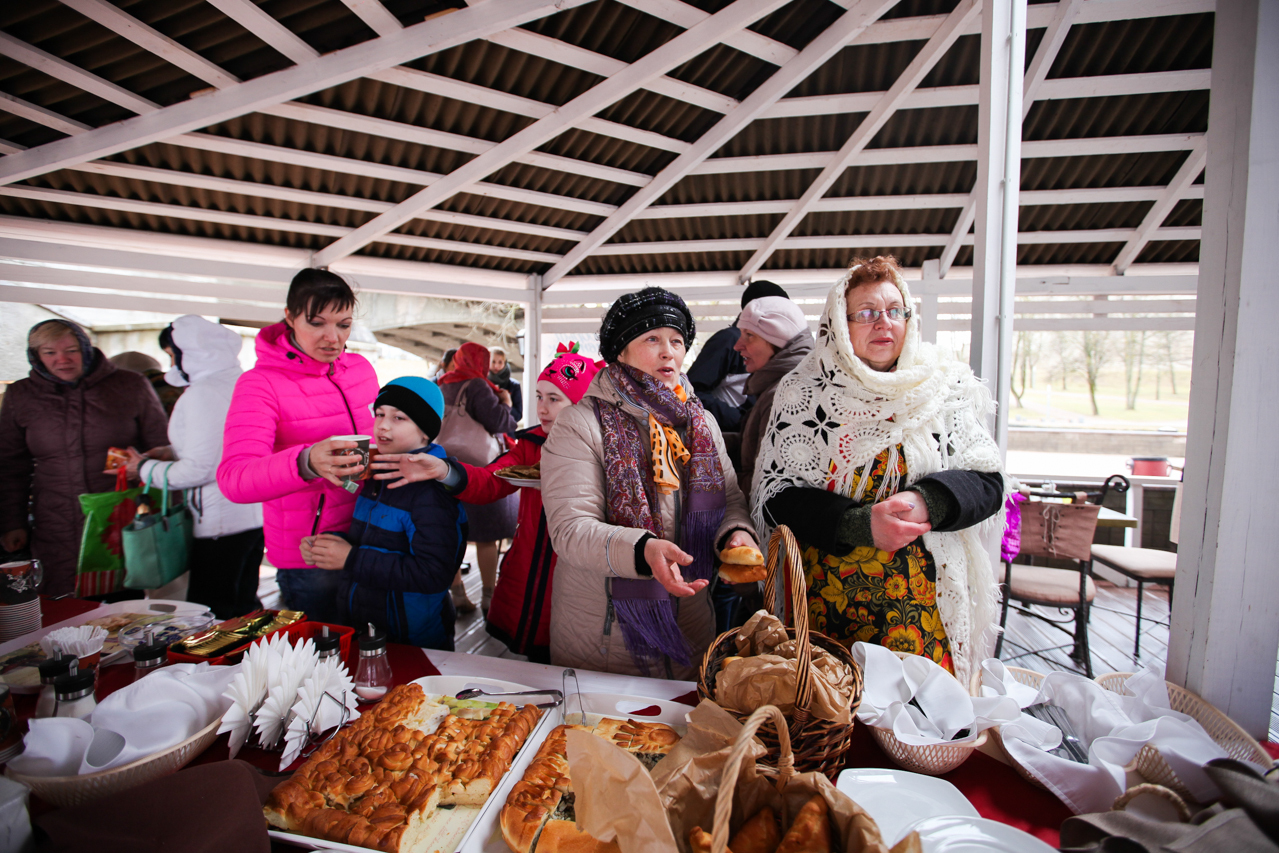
<point x="1110" y="632"/>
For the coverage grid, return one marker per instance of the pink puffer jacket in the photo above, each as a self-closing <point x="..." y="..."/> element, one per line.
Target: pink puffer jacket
<point x="289" y="401"/>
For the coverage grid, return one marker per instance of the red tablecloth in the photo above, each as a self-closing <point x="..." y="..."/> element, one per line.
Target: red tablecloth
<point x="994" y="789"/>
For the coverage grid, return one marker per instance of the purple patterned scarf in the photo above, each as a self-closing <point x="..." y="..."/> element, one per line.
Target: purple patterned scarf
<point x="647" y="618"/>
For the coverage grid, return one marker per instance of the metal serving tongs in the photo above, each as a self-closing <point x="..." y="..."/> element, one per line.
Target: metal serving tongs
<point x="580" y="717"/>
<point x="475" y="693"/>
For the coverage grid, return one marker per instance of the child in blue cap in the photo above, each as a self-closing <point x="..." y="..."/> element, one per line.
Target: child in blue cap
<point x="405" y="545"/>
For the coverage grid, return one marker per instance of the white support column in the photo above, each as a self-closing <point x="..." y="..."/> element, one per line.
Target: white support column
<point x="532" y="348"/>
<point x="1003" y="51"/>
<point x="928" y="293"/>
<point x="1225" y="620"/>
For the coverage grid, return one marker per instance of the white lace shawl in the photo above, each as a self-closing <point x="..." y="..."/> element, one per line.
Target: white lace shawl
<point x="833" y="414"/>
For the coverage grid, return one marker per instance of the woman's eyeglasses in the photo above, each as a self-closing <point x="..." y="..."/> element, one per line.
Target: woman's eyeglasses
<point x="866" y="316"/>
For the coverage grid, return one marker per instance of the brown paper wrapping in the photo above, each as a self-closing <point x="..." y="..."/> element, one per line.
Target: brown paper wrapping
<point x="617" y="799"/>
<point x="765" y="674"/>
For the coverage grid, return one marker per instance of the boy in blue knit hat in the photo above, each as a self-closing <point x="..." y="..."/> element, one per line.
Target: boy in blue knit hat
<point x="405" y="544"/>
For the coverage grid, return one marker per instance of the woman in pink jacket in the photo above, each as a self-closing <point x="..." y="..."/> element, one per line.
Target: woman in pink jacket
<point x="277" y="445"/>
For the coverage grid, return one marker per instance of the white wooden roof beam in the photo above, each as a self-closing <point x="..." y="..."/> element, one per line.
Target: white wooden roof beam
<point x="1054" y="37"/>
<point x="40" y="115"/>
<point x="476" y="21"/>
<point x="249" y="15"/>
<point x="274" y="223"/>
<point x="782" y="81"/>
<point x="606" y="66"/>
<point x="375" y="15"/>
<point x="449" y="141"/>
<point x="747" y="41"/>
<point x="1154" y="219"/>
<point x="91" y="299"/>
<point x="148" y="38"/>
<point x="678" y="50"/>
<point x="1060" y="88"/>
<point x="919" y="66"/>
<point x="60" y="69"/>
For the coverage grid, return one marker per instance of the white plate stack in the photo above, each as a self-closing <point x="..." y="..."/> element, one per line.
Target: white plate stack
<point x="19" y="619"/>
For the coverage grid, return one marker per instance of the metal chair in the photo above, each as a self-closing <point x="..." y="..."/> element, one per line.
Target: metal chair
<point x="1067" y="590"/>
<point x="1144" y="565"/>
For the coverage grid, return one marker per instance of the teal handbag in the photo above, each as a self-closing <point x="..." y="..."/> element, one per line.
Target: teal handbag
<point x="156" y="545"/>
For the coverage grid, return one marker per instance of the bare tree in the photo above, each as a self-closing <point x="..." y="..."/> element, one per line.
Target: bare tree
<point x="1171" y="364"/>
<point x="1134" y="356"/>
<point x="1094" y="348"/>
<point x="1064" y="346"/>
<point x="1026" y="351"/>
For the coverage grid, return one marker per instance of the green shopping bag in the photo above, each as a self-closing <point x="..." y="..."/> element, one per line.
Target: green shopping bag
<point x="100" y="567"/>
<point x="156" y="545"/>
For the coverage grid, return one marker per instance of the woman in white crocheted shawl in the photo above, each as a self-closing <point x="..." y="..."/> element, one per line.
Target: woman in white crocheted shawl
<point x="879" y="459"/>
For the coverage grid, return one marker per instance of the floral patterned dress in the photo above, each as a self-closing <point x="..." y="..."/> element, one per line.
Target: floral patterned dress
<point x="874" y="596"/>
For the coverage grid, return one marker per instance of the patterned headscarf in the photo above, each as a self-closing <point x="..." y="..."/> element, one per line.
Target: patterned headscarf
<point x="635" y="473"/>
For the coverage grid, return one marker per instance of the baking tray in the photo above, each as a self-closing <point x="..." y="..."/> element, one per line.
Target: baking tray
<point x="455" y="832"/>
<point x="486" y="835"/>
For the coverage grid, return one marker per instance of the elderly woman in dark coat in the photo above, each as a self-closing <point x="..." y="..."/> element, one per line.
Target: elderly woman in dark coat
<point x="55" y="428"/>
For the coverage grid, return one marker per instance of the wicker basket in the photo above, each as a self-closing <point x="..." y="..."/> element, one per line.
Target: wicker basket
<point x="66" y="791"/>
<point x="932" y="759"/>
<point x="1234" y="740"/>
<point x="1031" y="679"/>
<point x="819" y="745"/>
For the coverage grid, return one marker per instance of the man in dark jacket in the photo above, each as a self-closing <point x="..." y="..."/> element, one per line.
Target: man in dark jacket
<point x="719" y="375"/>
<point x="55" y="428"/>
<point x="405" y="544"/>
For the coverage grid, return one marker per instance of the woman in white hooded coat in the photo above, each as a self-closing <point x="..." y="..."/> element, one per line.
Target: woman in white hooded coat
<point x="227" y="551"/>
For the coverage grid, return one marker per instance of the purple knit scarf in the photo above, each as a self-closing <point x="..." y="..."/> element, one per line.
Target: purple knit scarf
<point x="646" y="612"/>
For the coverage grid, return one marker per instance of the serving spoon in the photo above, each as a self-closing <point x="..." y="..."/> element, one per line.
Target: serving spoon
<point x="474" y="692"/>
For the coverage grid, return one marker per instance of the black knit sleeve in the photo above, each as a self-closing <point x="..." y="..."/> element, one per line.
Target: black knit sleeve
<point x="977" y="496"/>
<point x="815" y="516"/>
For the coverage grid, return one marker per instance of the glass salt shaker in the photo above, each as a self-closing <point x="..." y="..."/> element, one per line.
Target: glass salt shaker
<point x="149" y="657"/>
<point x="373" y="678"/>
<point x="50" y="670"/>
<point x="327" y="645"/>
<point x="75" y="693"/>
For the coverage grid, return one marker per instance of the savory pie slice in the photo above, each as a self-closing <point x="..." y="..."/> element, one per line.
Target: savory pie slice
<point x="539" y="815"/>
<point x="649" y="742"/>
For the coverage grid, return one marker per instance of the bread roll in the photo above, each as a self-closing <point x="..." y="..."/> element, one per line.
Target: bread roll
<point x="742" y="555"/>
<point x="760" y="834"/>
<point x="810" y="833"/>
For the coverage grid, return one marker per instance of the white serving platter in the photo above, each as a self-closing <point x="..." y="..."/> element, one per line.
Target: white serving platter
<point x="487" y="837"/>
<point x="521" y="482"/>
<point x="959" y="834"/>
<point x="897" y="798"/>
<point x="462" y="823"/>
<point x="139" y="605"/>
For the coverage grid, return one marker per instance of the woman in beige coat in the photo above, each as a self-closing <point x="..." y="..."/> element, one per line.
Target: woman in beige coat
<point x="640" y="496"/>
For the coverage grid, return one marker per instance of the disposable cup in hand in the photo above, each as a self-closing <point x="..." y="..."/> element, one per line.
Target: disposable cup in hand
<point x="352" y="483"/>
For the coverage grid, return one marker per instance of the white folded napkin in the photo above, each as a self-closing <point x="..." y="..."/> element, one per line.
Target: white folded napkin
<point x="54" y="746"/>
<point x="78" y="640"/>
<point x="1114" y="728"/>
<point x="246" y="693"/>
<point x="149" y="716"/>
<point x="944" y="706"/>
<point x="313" y="713"/>
<point x="292" y="665"/>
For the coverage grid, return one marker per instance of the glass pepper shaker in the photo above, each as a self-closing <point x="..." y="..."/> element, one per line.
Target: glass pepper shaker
<point x="327" y="645"/>
<point x="75" y="693"/>
<point x="50" y="670"/>
<point x="373" y="678"/>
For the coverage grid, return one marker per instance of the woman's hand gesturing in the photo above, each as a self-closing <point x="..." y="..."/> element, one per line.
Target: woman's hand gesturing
<point x="665" y="558"/>
<point x="330" y="459"/>
<point x="898" y="521"/>
<point x="405" y="468"/>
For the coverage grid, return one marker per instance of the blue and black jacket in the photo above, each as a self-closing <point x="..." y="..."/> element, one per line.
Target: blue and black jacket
<point x="409" y="543"/>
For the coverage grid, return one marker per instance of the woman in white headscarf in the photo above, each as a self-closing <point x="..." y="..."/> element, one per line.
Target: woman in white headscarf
<point x="879" y="458"/>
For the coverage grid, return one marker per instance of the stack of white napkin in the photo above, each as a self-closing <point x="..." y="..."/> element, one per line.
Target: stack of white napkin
<point x="78" y="640"/>
<point x="149" y="716"/>
<point x="279" y="690"/>
<point x="1114" y="728"/>
<point x="942" y="706"/>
